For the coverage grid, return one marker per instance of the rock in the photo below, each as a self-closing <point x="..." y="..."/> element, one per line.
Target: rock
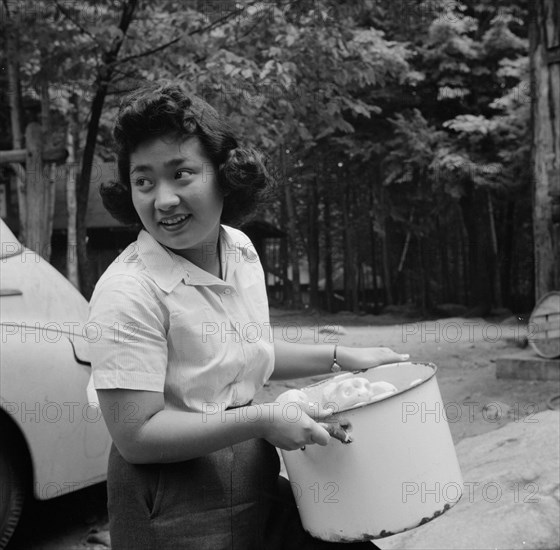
<point x="405" y="310"/>
<point x="481" y="310"/>
<point x="510" y="497"/>
<point x="332" y="329"/>
<point x="502" y="312"/>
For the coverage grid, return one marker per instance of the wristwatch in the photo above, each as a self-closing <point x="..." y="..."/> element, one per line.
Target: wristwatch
<point x="335" y="367"/>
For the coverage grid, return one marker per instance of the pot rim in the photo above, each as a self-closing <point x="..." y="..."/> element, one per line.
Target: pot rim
<point x="391" y="396"/>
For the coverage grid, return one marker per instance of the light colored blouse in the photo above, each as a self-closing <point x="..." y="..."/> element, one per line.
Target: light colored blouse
<point x="163" y="324"/>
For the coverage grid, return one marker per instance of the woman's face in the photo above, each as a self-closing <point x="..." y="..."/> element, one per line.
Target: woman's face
<point x="175" y="192"/>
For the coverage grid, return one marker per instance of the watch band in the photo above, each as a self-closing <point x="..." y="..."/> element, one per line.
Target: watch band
<point x="335" y="367"/>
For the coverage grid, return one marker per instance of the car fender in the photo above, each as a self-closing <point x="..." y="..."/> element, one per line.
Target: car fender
<point x="43" y="390"/>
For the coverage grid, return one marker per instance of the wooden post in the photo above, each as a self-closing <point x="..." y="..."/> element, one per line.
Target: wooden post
<point x="35" y="196"/>
<point x="545" y="80"/>
<point x="18" y="179"/>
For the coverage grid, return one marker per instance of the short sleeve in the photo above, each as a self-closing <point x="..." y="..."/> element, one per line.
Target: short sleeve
<point x="127" y="336"/>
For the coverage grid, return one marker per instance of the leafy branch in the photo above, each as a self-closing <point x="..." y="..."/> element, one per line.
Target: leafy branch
<point x="151" y="51"/>
<point x="68" y="16"/>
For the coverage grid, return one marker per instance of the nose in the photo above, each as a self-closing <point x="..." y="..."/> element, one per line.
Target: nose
<point x="165" y="197"/>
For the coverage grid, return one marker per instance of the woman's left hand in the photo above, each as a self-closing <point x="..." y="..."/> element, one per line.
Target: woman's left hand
<point x="364" y="358"/>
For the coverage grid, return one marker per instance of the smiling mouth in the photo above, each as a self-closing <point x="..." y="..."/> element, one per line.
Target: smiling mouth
<point x="174" y="221"/>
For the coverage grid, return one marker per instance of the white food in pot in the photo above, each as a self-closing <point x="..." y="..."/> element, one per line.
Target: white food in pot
<point x="300" y="398"/>
<point x="339" y="395"/>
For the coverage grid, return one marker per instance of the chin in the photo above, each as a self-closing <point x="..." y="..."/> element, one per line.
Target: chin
<point x="177" y="242"/>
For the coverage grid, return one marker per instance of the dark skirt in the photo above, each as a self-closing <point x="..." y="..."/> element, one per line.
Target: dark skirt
<point x="232" y="499"/>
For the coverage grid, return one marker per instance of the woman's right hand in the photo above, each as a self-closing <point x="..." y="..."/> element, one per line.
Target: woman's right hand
<point x="286" y="431"/>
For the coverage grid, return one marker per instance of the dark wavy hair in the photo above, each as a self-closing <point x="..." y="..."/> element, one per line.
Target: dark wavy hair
<point x="168" y="110"/>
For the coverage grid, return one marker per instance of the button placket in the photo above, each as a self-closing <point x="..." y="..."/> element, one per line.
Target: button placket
<point x="236" y="322"/>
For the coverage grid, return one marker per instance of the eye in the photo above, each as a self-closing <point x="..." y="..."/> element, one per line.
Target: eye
<point x="143" y="183"/>
<point x="183" y="173"/>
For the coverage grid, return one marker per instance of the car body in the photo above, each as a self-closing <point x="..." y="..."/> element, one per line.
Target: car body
<point x="53" y="439"/>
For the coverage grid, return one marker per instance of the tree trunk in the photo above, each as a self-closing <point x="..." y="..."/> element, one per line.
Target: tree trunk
<point x="18" y="179"/>
<point x="350" y="286"/>
<point x="49" y="205"/>
<point x="545" y="79"/>
<point x="292" y="234"/>
<point x="372" y="237"/>
<point x="287" y="298"/>
<point x="86" y="276"/>
<point x="495" y="263"/>
<point x="387" y="282"/>
<point x="400" y="282"/>
<point x="464" y="255"/>
<point x="444" y="259"/>
<point x="46" y="130"/>
<point x="313" y="241"/>
<point x="474" y="211"/>
<point x="45" y="100"/>
<point x="424" y="290"/>
<point x="71" y="207"/>
<point x="508" y="281"/>
<point x="385" y="256"/>
<point x="329" y="291"/>
<point x="101" y="86"/>
<point x="14" y="91"/>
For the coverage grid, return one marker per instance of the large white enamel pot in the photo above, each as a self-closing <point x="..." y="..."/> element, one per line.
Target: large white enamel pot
<point x="399" y="472"/>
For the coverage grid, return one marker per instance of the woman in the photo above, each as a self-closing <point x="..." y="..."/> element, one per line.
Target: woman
<point x="185" y="343"/>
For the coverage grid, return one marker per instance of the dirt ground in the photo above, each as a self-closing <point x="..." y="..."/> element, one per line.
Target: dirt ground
<point x="464" y="350"/>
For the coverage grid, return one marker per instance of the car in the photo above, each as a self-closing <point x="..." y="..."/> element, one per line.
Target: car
<point x="53" y="439"/>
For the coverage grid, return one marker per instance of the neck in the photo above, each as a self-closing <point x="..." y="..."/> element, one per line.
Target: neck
<point x="207" y="257"/>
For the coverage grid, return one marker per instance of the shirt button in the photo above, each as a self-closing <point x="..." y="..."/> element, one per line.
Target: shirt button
<point x="227" y="291"/>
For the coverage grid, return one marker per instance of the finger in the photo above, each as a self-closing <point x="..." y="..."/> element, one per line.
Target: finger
<point x="319" y="435"/>
<point x="392" y="355"/>
<point x="337" y="431"/>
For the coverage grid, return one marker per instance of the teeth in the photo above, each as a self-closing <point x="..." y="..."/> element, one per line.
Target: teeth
<point x="171" y="221"/>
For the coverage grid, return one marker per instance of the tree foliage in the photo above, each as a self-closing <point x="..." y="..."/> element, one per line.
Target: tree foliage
<point x="399" y="130"/>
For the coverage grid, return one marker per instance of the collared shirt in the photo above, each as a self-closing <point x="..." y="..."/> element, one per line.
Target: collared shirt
<point x="163" y="324"/>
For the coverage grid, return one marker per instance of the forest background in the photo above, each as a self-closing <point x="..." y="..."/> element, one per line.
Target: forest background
<point x="399" y="130"/>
